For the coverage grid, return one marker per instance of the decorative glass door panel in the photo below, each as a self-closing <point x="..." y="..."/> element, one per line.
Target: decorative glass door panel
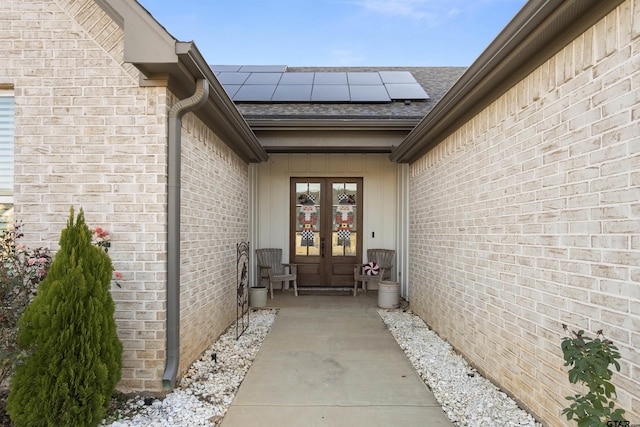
<point x="308" y="214"/>
<point x="325" y="222"/>
<point x="344" y="232"/>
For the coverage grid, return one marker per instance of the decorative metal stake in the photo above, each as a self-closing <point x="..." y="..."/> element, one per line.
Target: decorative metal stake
<point x="242" y="288"/>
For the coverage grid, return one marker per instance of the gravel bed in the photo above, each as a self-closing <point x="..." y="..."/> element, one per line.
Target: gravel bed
<point x="207" y="389"/>
<point x="466" y="397"/>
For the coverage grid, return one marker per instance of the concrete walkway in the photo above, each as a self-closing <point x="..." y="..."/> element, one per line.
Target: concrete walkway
<point x="330" y="361"/>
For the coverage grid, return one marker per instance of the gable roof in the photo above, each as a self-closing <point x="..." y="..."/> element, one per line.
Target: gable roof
<point x="339" y="126"/>
<point x="434" y="80"/>
<point x="539" y="30"/>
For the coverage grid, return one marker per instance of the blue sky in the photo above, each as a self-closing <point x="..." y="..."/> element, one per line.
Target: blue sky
<point x="336" y="32"/>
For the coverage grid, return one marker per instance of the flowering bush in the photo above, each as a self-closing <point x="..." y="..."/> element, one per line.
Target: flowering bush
<point x="75" y="356"/>
<point x="21" y="270"/>
<point x="101" y="238"/>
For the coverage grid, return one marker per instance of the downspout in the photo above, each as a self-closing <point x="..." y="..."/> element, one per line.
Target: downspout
<point x="179" y="109"/>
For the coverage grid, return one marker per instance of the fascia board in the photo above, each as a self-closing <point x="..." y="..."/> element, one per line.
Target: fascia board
<point x="145" y="40"/>
<point x="332" y="124"/>
<point x="219" y="113"/>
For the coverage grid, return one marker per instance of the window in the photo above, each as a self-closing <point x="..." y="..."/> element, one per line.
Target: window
<point x="7" y="112"/>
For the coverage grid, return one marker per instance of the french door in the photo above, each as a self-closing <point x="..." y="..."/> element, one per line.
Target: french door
<point x="325" y="233"/>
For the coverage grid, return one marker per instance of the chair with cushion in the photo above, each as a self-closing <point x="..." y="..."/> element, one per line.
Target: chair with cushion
<point x="273" y="270"/>
<point x="378" y="268"/>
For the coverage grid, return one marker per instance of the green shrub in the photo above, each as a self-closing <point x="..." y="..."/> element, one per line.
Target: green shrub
<point x="21" y="270"/>
<point x="589" y="359"/>
<point x="69" y="328"/>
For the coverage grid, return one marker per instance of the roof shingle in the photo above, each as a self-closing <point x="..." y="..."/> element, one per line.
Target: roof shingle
<point x="435" y="81"/>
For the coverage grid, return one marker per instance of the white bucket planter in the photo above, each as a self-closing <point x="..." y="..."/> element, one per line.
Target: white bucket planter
<point x="388" y="294"/>
<point x="258" y="296"/>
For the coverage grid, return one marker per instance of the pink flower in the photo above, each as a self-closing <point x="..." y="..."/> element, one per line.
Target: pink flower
<point x="101" y="234"/>
<point x="118" y="275"/>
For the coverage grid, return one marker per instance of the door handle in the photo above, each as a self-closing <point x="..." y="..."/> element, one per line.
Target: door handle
<point x="322" y="247"/>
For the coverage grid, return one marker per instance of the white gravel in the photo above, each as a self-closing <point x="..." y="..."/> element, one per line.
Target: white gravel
<point x="466" y="397"/>
<point x="208" y="388"/>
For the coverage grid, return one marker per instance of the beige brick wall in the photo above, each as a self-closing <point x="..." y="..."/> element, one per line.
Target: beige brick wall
<point x="88" y="136"/>
<point x="528" y="216"/>
<point x="215" y="217"/>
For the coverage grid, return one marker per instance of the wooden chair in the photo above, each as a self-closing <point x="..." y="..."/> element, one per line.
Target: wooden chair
<point x="384" y="258"/>
<point x="273" y="270"/>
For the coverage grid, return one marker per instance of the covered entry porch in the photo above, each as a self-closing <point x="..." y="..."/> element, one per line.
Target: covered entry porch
<point x="378" y="215"/>
<point x="328" y="360"/>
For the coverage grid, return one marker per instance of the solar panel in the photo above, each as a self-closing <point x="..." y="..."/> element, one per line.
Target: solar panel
<point x="271" y="83"/>
<point x="263" y="79"/>
<point x="330" y="93"/>
<point x="231" y="89"/>
<point x="368" y="93"/>
<point x="402" y="91"/>
<point x="292" y="93"/>
<point x="264" y="68"/>
<point x="296" y="79"/>
<point x="330" y="78"/>
<point x="396" y="77"/>
<point x="227" y="78"/>
<point x="254" y="93"/>
<point x="231" y="68"/>
<point x="363" y="78"/>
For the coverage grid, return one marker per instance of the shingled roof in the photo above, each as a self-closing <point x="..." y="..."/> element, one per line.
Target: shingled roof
<point x="435" y="80"/>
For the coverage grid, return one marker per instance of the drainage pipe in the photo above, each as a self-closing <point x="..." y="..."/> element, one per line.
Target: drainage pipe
<point x="179" y="109"/>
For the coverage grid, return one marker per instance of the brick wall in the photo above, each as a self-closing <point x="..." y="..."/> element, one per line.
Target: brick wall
<point x="215" y="218"/>
<point x="528" y="217"/>
<point x="86" y="135"/>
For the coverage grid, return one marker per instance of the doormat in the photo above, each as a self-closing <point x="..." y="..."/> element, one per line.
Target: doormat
<point x="319" y="290"/>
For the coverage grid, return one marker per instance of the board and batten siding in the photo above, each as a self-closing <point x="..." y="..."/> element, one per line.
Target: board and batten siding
<point x="272" y="188"/>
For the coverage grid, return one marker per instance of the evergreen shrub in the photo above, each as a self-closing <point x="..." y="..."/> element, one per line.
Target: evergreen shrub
<point x="69" y="328"/>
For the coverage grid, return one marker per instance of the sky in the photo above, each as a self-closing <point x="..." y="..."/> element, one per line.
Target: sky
<point x="336" y="32"/>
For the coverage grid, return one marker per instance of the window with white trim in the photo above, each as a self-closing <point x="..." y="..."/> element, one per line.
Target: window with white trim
<point x="7" y="114"/>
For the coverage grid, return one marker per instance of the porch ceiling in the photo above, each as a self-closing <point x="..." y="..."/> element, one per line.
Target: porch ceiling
<point x="316" y="140"/>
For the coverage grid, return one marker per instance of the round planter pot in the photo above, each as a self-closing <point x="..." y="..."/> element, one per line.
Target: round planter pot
<point x="258" y="296"/>
<point x="388" y="294"/>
